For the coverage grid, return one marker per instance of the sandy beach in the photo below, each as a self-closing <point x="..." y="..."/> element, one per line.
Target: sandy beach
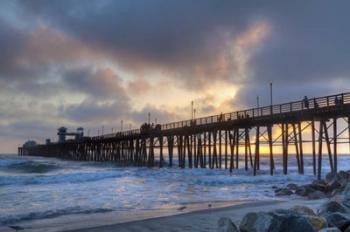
<point x="203" y="220"/>
<point x="192" y="218"/>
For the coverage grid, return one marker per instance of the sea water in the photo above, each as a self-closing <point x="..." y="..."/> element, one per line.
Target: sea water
<point x="36" y="188"/>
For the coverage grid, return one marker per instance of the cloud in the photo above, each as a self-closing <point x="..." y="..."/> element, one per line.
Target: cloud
<point x="92" y="112"/>
<point x="83" y="63"/>
<point x="101" y="83"/>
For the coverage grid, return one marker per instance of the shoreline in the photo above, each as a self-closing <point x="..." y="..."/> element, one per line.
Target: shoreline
<point x="196" y="217"/>
<point x="74" y="222"/>
<point x="201" y="220"/>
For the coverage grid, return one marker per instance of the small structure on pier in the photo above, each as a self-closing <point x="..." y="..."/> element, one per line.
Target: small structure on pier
<point x="62" y="133"/>
<point x="29" y="144"/>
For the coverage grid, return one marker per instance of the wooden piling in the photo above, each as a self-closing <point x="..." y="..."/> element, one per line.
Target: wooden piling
<point x="320" y="138"/>
<point x="313" y="138"/>
<point x="257" y="149"/>
<point x="335" y="151"/>
<point x="272" y="163"/>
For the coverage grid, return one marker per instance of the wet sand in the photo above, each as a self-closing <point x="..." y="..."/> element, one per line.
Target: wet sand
<point x="191" y="217"/>
<point x="204" y="220"/>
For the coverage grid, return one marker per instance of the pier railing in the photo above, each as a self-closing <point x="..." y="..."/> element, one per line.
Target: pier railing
<point x="295" y="106"/>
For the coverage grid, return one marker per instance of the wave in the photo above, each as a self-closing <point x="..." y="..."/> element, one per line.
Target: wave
<point x="50" y="214"/>
<point x="6" y="162"/>
<point x="29" y="167"/>
<point x="247" y="179"/>
<point x="57" y="179"/>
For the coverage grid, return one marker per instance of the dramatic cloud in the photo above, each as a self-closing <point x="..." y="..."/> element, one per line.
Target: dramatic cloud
<point x="96" y="63"/>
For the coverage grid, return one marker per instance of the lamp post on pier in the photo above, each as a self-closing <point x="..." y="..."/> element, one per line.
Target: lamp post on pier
<point x="192" y="110"/>
<point x="271" y="111"/>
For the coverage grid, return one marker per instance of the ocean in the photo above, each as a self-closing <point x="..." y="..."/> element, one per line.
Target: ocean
<point x="37" y="191"/>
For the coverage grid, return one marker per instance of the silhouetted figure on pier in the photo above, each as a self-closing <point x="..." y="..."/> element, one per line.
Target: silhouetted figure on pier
<point x="306" y="102"/>
<point x="338" y="101"/>
<point x="221" y="117"/>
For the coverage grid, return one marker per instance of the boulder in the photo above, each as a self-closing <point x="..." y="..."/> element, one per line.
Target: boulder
<point x="283" y="192"/>
<point x="319" y="182"/>
<point x="316" y="195"/>
<point x="330" y="229"/>
<point x="259" y="222"/>
<point x="343" y="176"/>
<point x="346" y="202"/>
<point x="334" y="184"/>
<point x="304" y="190"/>
<point x="280" y="220"/>
<point x="226" y="225"/>
<point x="295" y="223"/>
<point x="332" y="207"/>
<point x="292" y="221"/>
<point x="347" y="229"/>
<point x="346" y="192"/>
<point x="339" y="220"/>
<point x="299" y="209"/>
<point x="319" y="187"/>
<point x="292" y="186"/>
<point x="317" y="223"/>
<point x="330" y="177"/>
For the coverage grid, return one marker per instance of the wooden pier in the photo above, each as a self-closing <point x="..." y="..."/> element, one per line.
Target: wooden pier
<point x="220" y="141"/>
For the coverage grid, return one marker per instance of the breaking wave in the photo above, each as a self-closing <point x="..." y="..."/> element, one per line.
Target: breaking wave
<point x="29" y="167"/>
<point x="50" y="214"/>
<point x="57" y="179"/>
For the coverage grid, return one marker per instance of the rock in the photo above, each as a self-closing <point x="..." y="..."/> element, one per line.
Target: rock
<point x="319" y="182"/>
<point x="317" y="223"/>
<point x="299" y="209"/>
<point x="330" y="177"/>
<point x="226" y="225"/>
<point x="280" y="220"/>
<point x="292" y="186"/>
<point x="294" y="223"/>
<point x="334" y="184"/>
<point x="346" y="202"/>
<point x="347" y="229"/>
<point x="259" y="222"/>
<point x="343" y="176"/>
<point x="346" y="192"/>
<point x="316" y="195"/>
<point x="339" y="220"/>
<point x="332" y="207"/>
<point x="283" y="192"/>
<point x="320" y="187"/>
<point x="330" y="229"/>
<point x="304" y="190"/>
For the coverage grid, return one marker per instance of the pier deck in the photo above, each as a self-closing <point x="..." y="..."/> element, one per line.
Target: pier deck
<point x="218" y="141"/>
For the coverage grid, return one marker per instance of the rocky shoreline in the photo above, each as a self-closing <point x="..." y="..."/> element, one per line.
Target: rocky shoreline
<point x="332" y="216"/>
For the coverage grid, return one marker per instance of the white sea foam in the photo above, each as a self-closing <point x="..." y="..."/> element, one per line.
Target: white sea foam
<point x="68" y="187"/>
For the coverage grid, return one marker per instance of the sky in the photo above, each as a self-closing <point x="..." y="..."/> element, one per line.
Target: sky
<point x="95" y="63"/>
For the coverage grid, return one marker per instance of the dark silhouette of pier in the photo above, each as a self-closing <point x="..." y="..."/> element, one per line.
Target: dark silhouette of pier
<point x="219" y="141"/>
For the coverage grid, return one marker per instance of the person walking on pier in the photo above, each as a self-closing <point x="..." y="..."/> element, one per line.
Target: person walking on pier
<point x="338" y="101"/>
<point x="306" y="102"/>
